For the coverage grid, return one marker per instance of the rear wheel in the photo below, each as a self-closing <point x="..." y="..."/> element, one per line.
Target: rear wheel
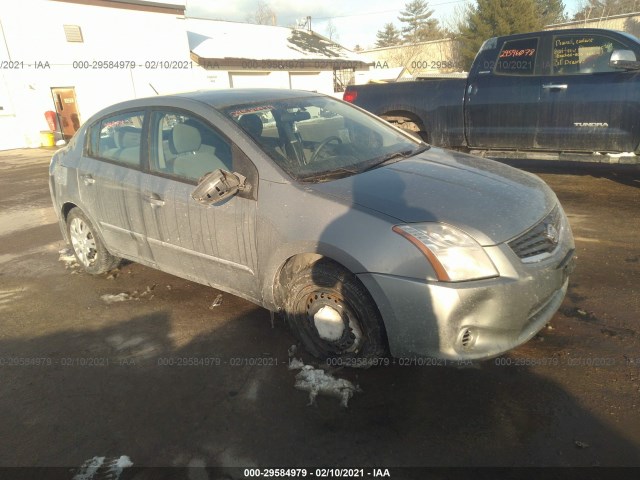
<point x="333" y="314"/>
<point x="87" y="245"/>
<point x="414" y="130"/>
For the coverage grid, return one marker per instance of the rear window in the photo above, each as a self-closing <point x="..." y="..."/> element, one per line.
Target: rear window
<point x="517" y="57"/>
<point x="118" y="138"/>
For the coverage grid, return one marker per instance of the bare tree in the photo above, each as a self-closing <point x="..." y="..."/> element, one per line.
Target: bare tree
<point x="264" y="15"/>
<point x="332" y="31"/>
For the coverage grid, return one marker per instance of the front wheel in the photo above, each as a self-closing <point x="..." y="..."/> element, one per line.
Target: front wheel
<point x="333" y="314"/>
<point x="87" y="245"/>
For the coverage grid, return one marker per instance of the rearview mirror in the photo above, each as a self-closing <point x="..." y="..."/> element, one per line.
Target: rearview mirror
<point x="294" y="116"/>
<point x="218" y="186"/>
<point x="624" y="60"/>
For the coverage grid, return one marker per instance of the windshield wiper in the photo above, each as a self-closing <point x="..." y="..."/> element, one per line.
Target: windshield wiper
<point x="328" y="174"/>
<point x="395" y="156"/>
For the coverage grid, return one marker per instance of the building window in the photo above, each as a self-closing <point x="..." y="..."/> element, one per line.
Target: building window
<point x="73" y="33"/>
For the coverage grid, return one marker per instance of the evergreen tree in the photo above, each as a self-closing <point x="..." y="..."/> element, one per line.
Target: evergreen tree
<point x="551" y="11"/>
<point x="420" y="27"/>
<point x="605" y="8"/>
<point x="388" y="36"/>
<point x="492" y="18"/>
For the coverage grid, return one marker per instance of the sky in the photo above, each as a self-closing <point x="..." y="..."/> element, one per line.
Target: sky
<point x="356" y="22"/>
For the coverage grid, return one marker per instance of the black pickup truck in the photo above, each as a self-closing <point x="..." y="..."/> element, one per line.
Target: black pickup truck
<point x="572" y="90"/>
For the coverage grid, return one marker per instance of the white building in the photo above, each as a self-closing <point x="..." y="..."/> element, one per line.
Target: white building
<point x="65" y="56"/>
<point x="78" y="56"/>
<point x="238" y="55"/>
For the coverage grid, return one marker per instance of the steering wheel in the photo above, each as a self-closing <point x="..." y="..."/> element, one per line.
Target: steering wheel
<point x="323" y="144"/>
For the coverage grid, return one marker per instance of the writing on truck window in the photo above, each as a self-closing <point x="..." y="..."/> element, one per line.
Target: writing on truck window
<point x="517" y="57"/>
<point x="577" y="54"/>
<point x="528" y="52"/>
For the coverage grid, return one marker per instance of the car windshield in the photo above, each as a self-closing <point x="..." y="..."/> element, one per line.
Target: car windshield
<point x="318" y="138"/>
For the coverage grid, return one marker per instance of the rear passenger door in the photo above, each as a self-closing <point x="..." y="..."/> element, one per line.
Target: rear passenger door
<point x="501" y="104"/>
<point x="110" y="176"/>
<point x="213" y="244"/>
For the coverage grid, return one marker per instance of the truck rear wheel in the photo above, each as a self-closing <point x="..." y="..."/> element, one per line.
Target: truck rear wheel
<point x="414" y="130"/>
<point x="406" y="124"/>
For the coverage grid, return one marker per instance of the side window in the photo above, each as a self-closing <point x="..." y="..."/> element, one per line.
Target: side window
<point x="185" y="146"/>
<point x="517" y="57"/>
<point x="576" y="54"/>
<point x="118" y="138"/>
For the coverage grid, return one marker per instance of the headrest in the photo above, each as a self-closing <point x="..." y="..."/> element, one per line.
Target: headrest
<point x="186" y="138"/>
<point x="126" y="137"/>
<point x="251" y="123"/>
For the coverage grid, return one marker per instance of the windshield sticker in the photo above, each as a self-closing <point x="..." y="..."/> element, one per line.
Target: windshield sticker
<point x="237" y="113"/>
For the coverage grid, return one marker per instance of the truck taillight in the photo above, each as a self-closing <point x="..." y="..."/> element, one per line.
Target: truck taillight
<point x="349" y="96"/>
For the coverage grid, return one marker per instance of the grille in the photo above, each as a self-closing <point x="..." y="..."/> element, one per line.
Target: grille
<point x="542" y="238"/>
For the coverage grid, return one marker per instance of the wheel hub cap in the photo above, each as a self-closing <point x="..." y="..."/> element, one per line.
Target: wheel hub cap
<point x="83" y="242"/>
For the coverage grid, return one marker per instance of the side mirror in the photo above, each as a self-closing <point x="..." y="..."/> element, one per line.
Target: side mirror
<point x="218" y="186"/>
<point x="624" y="60"/>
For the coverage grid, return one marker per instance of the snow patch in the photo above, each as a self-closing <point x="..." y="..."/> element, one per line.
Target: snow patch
<point x="121" y="297"/>
<point x="318" y="382"/>
<point x="124" y="462"/>
<point x="68" y="258"/>
<point x="111" y="469"/>
<point x="135" y="295"/>
<point x="295" y="364"/>
<point x="89" y="468"/>
<point x="217" y="302"/>
<point x="623" y="154"/>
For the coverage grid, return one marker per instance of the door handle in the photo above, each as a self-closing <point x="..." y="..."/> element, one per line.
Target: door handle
<point x="155" y="200"/>
<point x="554" y="86"/>
<point x="88" y="179"/>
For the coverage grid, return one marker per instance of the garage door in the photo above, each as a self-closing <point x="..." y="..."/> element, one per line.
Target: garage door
<point x="257" y="80"/>
<point x="306" y="81"/>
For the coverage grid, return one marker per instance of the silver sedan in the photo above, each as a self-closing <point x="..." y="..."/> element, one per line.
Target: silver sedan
<point x="368" y="240"/>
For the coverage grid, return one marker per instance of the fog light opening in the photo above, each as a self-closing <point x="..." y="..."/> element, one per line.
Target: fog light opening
<point x="467" y="338"/>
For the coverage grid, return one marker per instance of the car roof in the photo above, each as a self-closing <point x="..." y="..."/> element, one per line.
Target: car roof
<point x="224" y="98"/>
<point x="217" y="99"/>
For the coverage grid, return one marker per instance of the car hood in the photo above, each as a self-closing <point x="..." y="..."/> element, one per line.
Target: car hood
<point x="490" y="201"/>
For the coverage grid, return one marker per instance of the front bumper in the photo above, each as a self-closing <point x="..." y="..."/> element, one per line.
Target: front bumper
<point x="473" y="320"/>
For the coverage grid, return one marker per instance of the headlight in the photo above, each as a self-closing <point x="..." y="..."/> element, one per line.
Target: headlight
<point x="454" y="255"/>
